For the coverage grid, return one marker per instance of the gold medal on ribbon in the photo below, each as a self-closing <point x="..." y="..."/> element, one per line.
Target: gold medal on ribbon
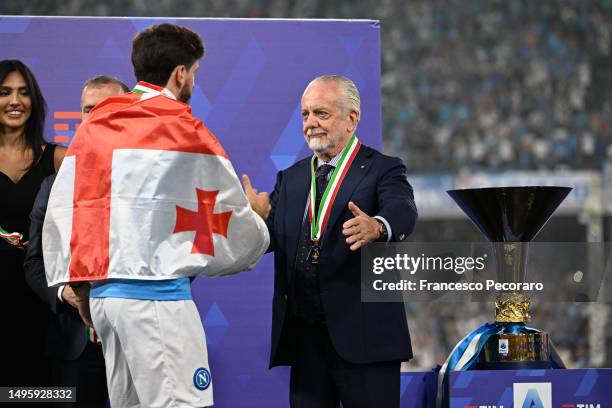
<point x="318" y="221"/>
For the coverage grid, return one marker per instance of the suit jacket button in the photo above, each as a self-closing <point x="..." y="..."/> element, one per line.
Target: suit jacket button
<point x="402" y="237"/>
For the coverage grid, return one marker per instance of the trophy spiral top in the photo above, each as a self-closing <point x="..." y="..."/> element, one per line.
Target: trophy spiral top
<point x="510" y="214"/>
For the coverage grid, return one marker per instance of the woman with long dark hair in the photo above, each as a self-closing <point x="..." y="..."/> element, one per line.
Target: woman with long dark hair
<point x="25" y="160"/>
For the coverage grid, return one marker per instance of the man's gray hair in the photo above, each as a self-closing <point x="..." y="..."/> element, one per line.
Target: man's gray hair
<point x="101" y="80"/>
<point x="350" y="99"/>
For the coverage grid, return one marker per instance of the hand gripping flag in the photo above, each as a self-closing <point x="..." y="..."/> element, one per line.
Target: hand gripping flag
<point x="147" y="192"/>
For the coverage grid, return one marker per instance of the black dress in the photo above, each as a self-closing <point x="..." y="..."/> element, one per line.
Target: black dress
<point x="23" y="316"/>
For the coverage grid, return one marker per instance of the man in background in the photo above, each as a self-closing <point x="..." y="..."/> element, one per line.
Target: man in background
<point x="97" y="89"/>
<point x="72" y="346"/>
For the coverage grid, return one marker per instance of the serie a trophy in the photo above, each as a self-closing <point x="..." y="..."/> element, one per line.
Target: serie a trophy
<point x="509" y="217"/>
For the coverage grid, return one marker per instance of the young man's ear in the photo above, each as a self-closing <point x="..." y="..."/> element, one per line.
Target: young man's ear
<point x="177" y="79"/>
<point x="180" y="73"/>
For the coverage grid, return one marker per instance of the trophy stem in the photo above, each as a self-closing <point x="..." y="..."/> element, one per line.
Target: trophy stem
<point x="511" y="258"/>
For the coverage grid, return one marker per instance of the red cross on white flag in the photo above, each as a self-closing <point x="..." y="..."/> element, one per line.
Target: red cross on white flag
<point x="147" y="192"/>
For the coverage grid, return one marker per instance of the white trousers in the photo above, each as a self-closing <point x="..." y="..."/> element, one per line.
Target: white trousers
<point x="155" y="353"/>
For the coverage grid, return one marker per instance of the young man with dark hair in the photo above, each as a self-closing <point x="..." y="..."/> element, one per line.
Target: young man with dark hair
<point x="154" y="201"/>
<point x="159" y="51"/>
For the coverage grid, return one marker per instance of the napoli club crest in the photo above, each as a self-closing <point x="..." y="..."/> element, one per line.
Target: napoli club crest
<point x="201" y="378"/>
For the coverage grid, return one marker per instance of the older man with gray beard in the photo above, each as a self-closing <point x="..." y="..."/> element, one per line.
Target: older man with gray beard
<point x="324" y="209"/>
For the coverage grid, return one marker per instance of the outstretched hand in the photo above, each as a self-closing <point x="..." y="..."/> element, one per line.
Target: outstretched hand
<point x="260" y="202"/>
<point x="361" y="229"/>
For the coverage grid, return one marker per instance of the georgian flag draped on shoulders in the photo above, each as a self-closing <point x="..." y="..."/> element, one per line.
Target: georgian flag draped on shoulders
<point x="147" y="192"/>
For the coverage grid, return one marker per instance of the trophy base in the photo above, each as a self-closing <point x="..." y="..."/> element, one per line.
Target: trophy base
<point x="515" y="348"/>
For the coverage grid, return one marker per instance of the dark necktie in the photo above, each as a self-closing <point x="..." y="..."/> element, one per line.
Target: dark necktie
<point x="305" y="241"/>
<point x="321" y="181"/>
<point x="305" y="289"/>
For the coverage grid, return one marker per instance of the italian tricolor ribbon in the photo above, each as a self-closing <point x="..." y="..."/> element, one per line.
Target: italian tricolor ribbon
<point x="14" y="238"/>
<point x="92" y="336"/>
<point x="318" y="221"/>
<point x="151" y="90"/>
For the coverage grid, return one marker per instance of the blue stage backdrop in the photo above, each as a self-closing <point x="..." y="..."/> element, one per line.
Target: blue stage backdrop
<point x="248" y="93"/>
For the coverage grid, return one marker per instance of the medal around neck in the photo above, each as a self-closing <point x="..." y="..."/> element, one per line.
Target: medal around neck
<point x="318" y="221"/>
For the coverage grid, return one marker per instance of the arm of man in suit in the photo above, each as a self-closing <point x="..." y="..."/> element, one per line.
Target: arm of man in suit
<point x="34" y="267"/>
<point x="395" y="198"/>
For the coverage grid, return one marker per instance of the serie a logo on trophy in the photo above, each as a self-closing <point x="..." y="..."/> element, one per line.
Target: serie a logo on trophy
<point x="510" y="217"/>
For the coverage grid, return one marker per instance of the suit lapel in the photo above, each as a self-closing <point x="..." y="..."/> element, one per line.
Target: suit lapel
<point x="297" y="195"/>
<point x="355" y="174"/>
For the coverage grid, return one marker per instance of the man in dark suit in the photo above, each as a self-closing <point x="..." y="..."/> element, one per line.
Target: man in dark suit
<point x="76" y="356"/>
<point x="339" y="348"/>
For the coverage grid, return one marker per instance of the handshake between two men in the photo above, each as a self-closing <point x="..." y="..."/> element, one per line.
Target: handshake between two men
<point x="358" y="231"/>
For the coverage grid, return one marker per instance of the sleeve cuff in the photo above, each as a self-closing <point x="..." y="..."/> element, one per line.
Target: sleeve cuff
<point x="387" y="226"/>
<point x="60" y="290"/>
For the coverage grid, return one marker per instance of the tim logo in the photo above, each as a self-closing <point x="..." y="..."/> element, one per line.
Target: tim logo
<point x="484" y="406"/>
<point x="532" y="395"/>
<point x="65" y="126"/>
<point x="580" y="406"/>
